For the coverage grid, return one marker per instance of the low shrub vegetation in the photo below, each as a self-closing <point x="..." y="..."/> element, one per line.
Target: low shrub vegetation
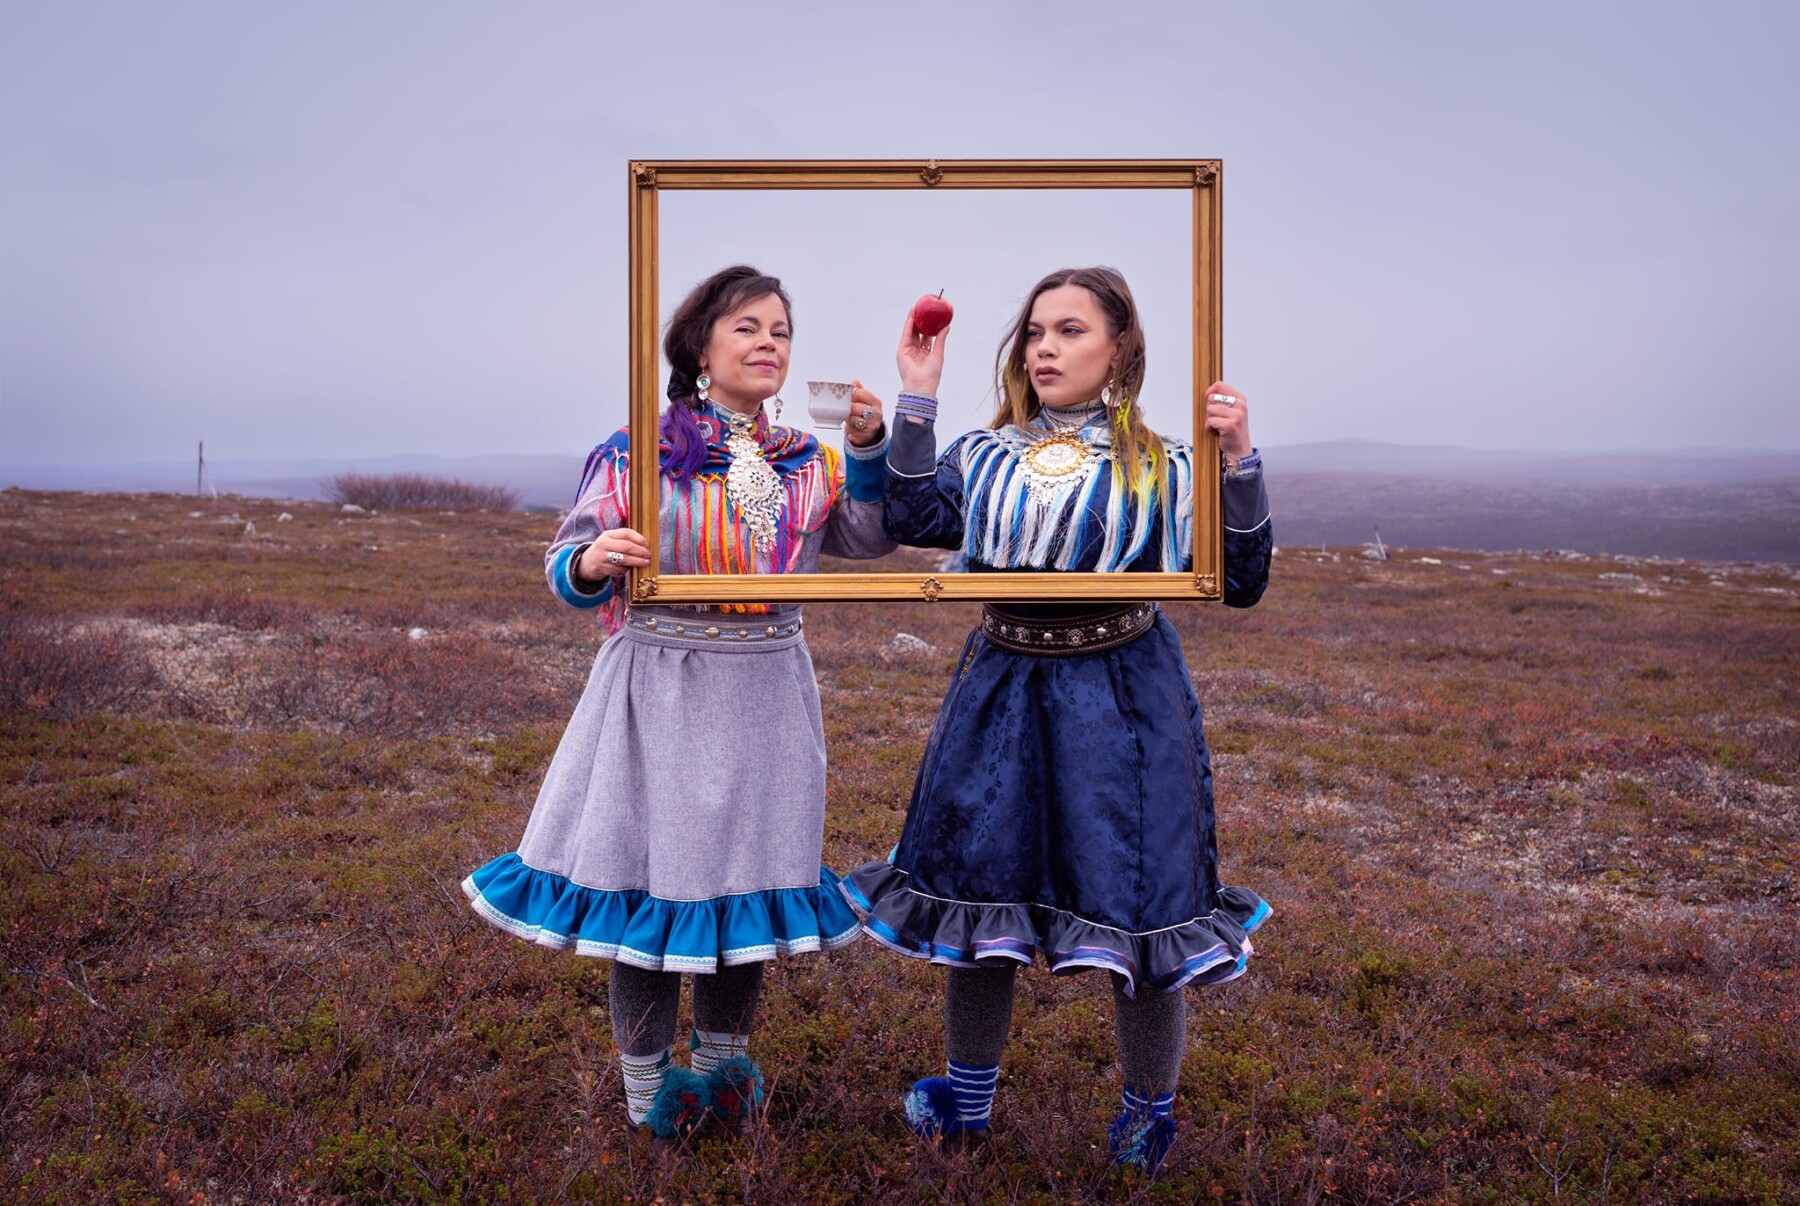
<point x="1529" y="832"/>
<point x="418" y="492"/>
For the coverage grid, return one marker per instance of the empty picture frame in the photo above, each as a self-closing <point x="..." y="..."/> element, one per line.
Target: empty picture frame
<point x="647" y="179"/>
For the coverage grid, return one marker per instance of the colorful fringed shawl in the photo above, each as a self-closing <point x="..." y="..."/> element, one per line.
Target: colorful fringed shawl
<point x="700" y="529"/>
<point x="1088" y="521"/>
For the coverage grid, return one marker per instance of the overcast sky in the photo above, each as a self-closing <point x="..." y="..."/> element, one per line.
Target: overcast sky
<point x="333" y="229"/>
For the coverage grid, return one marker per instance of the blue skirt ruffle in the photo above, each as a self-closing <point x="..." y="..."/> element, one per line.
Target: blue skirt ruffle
<point x="1064" y="807"/>
<point x="645" y="931"/>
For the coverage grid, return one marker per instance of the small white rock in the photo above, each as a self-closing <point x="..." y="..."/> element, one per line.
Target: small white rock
<point x="417" y="634"/>
<point x="352" y="509"/>
<point x="909" y="643"/>
<point x="284" y="517"/>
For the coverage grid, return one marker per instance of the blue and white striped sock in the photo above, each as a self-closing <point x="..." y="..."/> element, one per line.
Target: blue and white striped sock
<point x="974" y="1088"/>
<point x="1160" y="1106"/>
<point x="643" y="1077"/>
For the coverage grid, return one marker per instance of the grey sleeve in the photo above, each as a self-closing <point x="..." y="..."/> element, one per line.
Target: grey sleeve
<point x="912" y="450"/>
<point x="1245" y="499"/>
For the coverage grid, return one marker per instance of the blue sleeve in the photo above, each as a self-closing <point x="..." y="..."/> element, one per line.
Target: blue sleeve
<point x="924" y="505"/>
<point x="865" y="470"/>
<point x="561" y="572"/>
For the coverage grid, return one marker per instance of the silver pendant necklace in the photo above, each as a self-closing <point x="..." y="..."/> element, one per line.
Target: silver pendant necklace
<point x="751" y="483"/>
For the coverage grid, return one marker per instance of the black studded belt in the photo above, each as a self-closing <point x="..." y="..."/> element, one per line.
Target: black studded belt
<point x="1059" y="638"/>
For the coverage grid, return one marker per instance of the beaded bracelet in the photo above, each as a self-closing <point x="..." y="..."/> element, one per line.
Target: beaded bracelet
<point x="1244" y="464"/>
<point x="917" y="406"/>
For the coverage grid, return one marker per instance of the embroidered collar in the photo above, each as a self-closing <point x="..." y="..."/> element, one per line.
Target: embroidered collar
<point x="783" y="447"/>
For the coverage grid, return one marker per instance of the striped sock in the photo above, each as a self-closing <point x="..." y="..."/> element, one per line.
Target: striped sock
<point x="1160" y="1106"/>
<point x="707" y="1049"/>
<point x="643" y="1077"/>
<point x="974" y="1088"/>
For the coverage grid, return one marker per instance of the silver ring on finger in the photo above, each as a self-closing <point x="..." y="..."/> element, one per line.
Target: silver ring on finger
<point x="859" y="423"/>
<point x="615" y="558"/>
<point x="1223" y="399"/>
<point x="868" y="413"/>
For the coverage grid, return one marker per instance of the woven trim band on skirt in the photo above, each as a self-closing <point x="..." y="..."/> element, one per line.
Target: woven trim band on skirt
<point x="1053" y="638"/>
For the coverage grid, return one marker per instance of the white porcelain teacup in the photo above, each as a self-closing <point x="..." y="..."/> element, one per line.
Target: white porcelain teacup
<point x="829" y="402"/>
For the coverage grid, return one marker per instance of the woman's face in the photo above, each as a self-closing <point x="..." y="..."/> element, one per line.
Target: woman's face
<point x="747" y="354"/>
<point x="1068" y="352"/>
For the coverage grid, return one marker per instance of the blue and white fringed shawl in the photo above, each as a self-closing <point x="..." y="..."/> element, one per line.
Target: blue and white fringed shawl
<point x="1094" y="521"/>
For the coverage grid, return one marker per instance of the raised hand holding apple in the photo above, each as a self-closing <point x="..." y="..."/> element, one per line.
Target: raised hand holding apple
<point x="921" y="354"/>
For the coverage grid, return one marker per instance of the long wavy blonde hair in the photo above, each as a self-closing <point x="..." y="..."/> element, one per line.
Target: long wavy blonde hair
<point x="1138" y="451"/>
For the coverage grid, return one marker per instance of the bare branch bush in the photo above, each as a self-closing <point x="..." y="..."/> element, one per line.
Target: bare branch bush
<point x="418" y="492"/>
<point x="63" y="672"/>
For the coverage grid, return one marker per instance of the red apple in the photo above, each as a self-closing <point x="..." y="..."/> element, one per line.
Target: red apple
<point x="931" y="314"/>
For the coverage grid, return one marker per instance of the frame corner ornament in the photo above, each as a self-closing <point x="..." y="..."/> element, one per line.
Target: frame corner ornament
<point x="931" y="174"/>
<point x="931" y="588"/>
<point x="1206" y="174"/>
<point x="1207" y="584"/>
<point x="643" y="175"/>
<point x="642" y="589"/>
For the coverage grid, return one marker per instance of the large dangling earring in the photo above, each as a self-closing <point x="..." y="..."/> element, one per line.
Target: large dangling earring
<point x="777" y="400"/>
<point x="701" y="384"/>
<point x="1107" y="392"/>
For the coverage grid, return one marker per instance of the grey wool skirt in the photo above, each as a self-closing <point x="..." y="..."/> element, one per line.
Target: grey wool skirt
<point x="680" y="822"/>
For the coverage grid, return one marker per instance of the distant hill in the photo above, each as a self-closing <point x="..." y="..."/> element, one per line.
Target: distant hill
<point x="1713" y="504"/>
<point x="1700" y="466"/>
<point x="1754" y="521"/>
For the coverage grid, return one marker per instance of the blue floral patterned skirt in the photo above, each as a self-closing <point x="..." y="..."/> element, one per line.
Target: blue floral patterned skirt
<point x="1064" y="806"/>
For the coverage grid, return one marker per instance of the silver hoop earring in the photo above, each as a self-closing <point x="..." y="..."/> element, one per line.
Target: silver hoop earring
<point x="1107" y="395"/>
<point x="701" y="384"/>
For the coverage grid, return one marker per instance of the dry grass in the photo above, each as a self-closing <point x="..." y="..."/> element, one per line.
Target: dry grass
<point x="1529" y="826"/>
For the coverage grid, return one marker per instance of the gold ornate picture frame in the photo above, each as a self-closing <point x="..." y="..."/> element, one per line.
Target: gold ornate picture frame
<point x="647" y="179"/>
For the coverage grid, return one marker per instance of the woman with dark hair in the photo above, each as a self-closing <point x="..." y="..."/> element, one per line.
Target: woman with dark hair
<point x="1064" y="804"/>
<point x="679" y="825"/>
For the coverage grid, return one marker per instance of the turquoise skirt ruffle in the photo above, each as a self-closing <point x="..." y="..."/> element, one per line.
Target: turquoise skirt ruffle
<point x="645" y="931"/>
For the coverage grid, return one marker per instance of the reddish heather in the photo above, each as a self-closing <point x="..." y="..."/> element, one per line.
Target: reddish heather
<point x="1528" y="822"/>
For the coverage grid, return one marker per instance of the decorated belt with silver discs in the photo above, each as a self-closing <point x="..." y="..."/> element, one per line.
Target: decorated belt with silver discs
<point x="700" y="629"/>
<point x="1059" y="638"/>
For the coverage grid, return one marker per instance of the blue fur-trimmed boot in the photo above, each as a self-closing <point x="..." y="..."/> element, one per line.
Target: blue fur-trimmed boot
<point x="681" y="1105"/>
<point x="736" y="1085"/>
<point x="931" y="1108"/>
<point x="1143" y="1132"/>
<point x="934" y="1111"/>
